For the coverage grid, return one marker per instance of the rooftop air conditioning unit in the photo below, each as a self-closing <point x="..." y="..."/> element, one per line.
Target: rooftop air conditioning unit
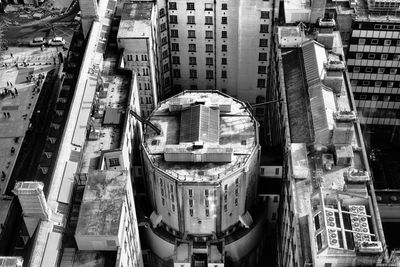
<point x="370" y="247"/>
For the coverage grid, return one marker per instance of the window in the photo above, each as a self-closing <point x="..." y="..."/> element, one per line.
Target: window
<point x="173" y="207"/>
<point x="225" y="207"/>
<point x="209" y="20"/>
<point x="129" y="57"/>
<point x="224" y="6"/>
<point x="190" y="192"/>
<point x="224" y="20"/>
<point x="163" y="27"/>
<point x="393" y="71"/>
<point x="223" y="74"/>
<point x="192" y="47"/>
<point x="193" y="74"/>
<point x="361" y="41"/>
<point x="209" y="34"/>
<point x="191" y="34"/>
<point x="223" y="61"/>
<point x="175" y="60"/>
<point x="190" y="6"/>
<point x="371" y="56"/>
<point x="208" y="6"/>
<point x="353" y="82"/>
<point x="175" y="47"/>
<point x="359" y="55"/>
<point x="276" y="199"/>
<point x="389" y="84"/>
<point x="192" y="60"/>
<point x="264" y="28"/>
<point x="207" y="213"/>
<point x="374" y="98"/>
<point x="381" y="70"/>
<point x="190" y="202"/>
<point x="236" y="202"/>
<point x="224" y="48"/>
<point x="177" y="73"/>
<point x="174" y="33"/>
<point x="209" y="74"/>
<point x="172" y="5"/>
<point x="368" y="69"/>
<point x="386" y="98"/>
<point x="165" y="53"/>
<point x="363" y="97"/>
<point x="374" y="41"/>
<point x="396" y="57"/>
<point x="263" y="42"/>
<point x="262" y="56"/>
<point x="209" y="61"/>
<point x="398" y="43"/>
<point x="164" y="40"/>
<point x="144" y="57"/>
<point x="378" y="84"/>
<point x="388" y="42"/>
<point x="191" y="212"/>
<point x="191" y="20"/>
<point x="261" y="83"/>
<point x="384" y="56"/>
<point x="162" y="12"/>
<point x="262" y="69"/>
<point x="365" y="83"/>
<point x="224" y="34"/>
<point x="265" y="14"/>
<point x="193" y="87"/>
<point x="173" y="19"/>
<point x="114" y="162"/>
<point x="273" y="216"/>
<point x="209" y="48"/>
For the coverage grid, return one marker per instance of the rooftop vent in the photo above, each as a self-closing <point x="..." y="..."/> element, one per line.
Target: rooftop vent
<point x="326" y="23"/>
<point x="356" y="176"/>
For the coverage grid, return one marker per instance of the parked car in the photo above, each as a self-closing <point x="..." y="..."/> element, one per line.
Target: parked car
<point x="37" y="41"/>
<point x="56" y="41"/>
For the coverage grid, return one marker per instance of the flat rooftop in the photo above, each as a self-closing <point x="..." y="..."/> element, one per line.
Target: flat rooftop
<point x="237" y="133"/>
<point x="135" y="20"/>
<point x="102" y="203"/>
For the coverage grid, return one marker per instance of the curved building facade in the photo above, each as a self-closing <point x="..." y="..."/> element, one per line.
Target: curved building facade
<point x="202" y="174"/>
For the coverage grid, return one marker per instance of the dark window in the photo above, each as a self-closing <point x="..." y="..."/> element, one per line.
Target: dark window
<point x="224" y="20"/>
<point x="223" y="61"/>
<point x="224" y="48"/>
<point x="224" y="7"/>
<point x="175" y="60"/>
<point x="209" y="35"/>
<point x="192" y="47"/>
<point x="209" y="48"/>
<point x="164" y="40"/>
<point x="163" y="27"/>
<point x="193" y="87"/>
<point x="261" y="83"/>
<point x="262" y="56"/>
<point x="191" y="20"/>
<point x="175" y="47"/>
<point x="193" y="74"/>
<point x="173" y="19"/>
<point x="262" y="69"/>
<point x="264" y="28"/>
<point x="209" y="61"/>
<point x="177" y="73"/>
<point x="224" y="34"/>
<point x="209" y="20"/>
<point x="172" y="5"/>
<point x="190" y="6"/>
<point x="162" y="12"/>
<point x="223" y="74"/>
<point x="174" y="33"/>
<point x="191" y="34"/>
<point x="165" y="53"/>
<point x="265" y="14"/>
<point x="114" y="162"/>
<point x="209" y="74"/>
<point x="192" y="61"/>
<point x="263" y="42"/>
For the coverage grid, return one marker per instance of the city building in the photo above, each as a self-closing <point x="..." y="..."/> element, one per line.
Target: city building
<point x="137" y="37"/>
<point x="11" y="261"/>
<point x="329" y="214"/>
<point x="107" y="217"/>
<point x="202" y="174"/>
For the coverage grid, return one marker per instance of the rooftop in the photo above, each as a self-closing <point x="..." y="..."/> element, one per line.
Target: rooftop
<point x="135" y="20"/>
<point x="102" y="203"/>
<point x="218" y="154"/>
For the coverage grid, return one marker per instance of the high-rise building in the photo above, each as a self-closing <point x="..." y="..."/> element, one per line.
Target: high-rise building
<point x="202" y="173"/>
<point x="329" y="212"/>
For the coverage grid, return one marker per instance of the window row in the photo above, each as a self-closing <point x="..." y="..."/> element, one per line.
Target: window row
<point x="192" y="48"/>
<point x="193" y="74"/>
<point x="373" y="70"/>
<point x="380" y="113"/>
<point x="375" y="97"/>
<point x="355" y="82"/>
<point x="192" y="34"/>
<point x="394" y="57"/>
<point x="208" y="20"/>
<point x="136" y="57"/>
<point x="209" y="61"/>
<point x="384" y="42"/>
<point x="191" y="6"/>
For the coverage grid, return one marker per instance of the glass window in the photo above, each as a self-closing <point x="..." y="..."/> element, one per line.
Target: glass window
<point x="265" y="14"/>
<point x="191" y="34"/>
<point x="209" y="74"/>
<point x="388" y="42"/>
<point x="209" y="48"/>
<point x="224" y="20"/>
<point x="371" y="56"/>
<point x="209" y="61"/>
<point x="389" y="84"/>
<point x="208" y="6"/>
<point x="224" y="48"/>
<point x="361" y="41"/>
<point x="381" y="70"/>
<point x="374" y="41"/>
<point x="263" y="42"/>
<point x="223" y="61"/>
<point x="190" y="6"/>
<point x="224" y="34"/>
<point x="223" y="74"/>
<point x="264" y="28"/>
<point x="384" y="56"/>
<point x="192" y="47"/>
<point x="177" y="73"/>
<point x="209" y="35"/>
<point x="359" y="55"/>
<point x="368" y="69"/>
<point x="172" y="5"/>
<point x="162" y="12"/>
<point x="191" y="20"/>
<point x="175" y="47"/>
<point x="175" y="60"/>
<point x="174" y="33"/>
<point x="193" y="74"/>
<point x="192" y="60"/>
<point x="209" y="20"/>
<point x="173" y="19"/>
<point x="393" y="71"/>
<point x="224" y="6"/>
<point x="262" y="69"/>
<point x="262" y="56"/>
<point x="261" y="83"/>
